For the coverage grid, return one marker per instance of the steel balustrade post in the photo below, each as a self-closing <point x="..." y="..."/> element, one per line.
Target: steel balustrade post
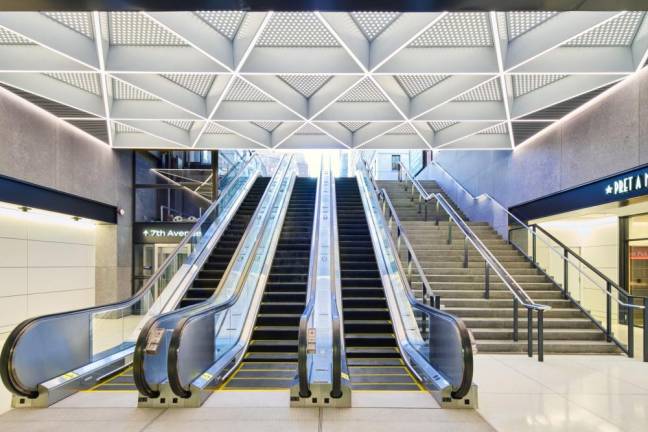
<point x="426" y="211"/>
<point x="449" y="231"/>
<point x="533" y="242"/>
<point x="566" y="273"/>
<point x="630" y="327"/>
<point x="409" y="267"/>
<point x="437" y="302"/>
<point x="515" y="319"/>
<point x="420" y="203"/>
<point x="465" y="260"/>
<point x="608" y="312"/>
<point x="540" y="335"/>
<point x="486" y="280"/>
<point x="645" y="330"/>
<point x="530" y="332"/>
<point x="436" y="213"/>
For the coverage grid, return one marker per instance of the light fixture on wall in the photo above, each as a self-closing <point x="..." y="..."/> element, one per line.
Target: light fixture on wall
<point x="121" y="211"/>
<point x="24" y="213"/>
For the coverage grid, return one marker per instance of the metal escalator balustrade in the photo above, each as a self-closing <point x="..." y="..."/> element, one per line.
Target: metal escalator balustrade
<point x="208" y="343"/>
<point x="47" y="358"/>
<point x="208" y="280"/>
<point x="435" y="345"/>
<point x="212" y="271"/>
<point x="271" y="358"/>
<point x="372" y="352"/>
<point x="150" y="361"/>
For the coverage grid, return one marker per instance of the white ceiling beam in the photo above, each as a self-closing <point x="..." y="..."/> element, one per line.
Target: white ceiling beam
<point x="155" y="110"/>
<point x="102" y="45"/>
<point x="336" y="130"/>
<point x="559" y="91"/>
<point x="158" y="59"/>
<point x="262" y="111"/>
<point x="251" y="28"/>
<point x="399" y="35"/>
<point x="640" y="45"/>
<point x="197" y="34"/>
<point x="333" y="90"/>
<point x="551" y="34"/>
<point x="56" y="90"/>
<point x="161" y="130"/>
<point x="474" y="60"/>
<point x="347" y="33"/>
<point x="249" y="131"/>
<point x="225" y="141"/>
<point x="360" y="111"/>
<point x="460" y="131"/>
<point x="372" y="131"/>
<point x="444" y="92"/>
<point x="284" y="131"/>
<point x="582" y="60"/>
<point x="467" y="111"/>
<point x="300" y="60"/>
<point x="480" y="142"/>
<point x="34" y="58"/>
<point x="142" y="141"/>
<point x="507" y="90"/>
<point x="281" y="91"/>
<point x="310" y="141"/>
<point x="167" y="91"/>
<point x="51" y="35"/>
<point x="394" y="92"/>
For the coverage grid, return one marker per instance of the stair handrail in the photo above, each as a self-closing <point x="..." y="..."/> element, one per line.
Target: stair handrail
<point x="465" y="338"/>
<point x="520" y="297"/>
<point x="8" y="369"/>
<point x="563" y="253"/>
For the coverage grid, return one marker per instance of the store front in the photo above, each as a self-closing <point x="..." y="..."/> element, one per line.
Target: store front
<point x="606" y="223"/>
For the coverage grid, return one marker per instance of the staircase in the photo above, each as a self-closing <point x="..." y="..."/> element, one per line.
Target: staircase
<point x="210" y="275"/>
<point x="271" y="359"/>
<point x="372" y="352"/>
<point x="566" y="329"/>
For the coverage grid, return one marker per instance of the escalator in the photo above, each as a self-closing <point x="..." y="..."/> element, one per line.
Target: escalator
<point x="271" y="358"/>
<point x="209" y="276"/>
<point x="372" y="352"/>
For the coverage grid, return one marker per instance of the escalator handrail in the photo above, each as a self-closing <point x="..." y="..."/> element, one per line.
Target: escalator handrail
<point x="459" y="325"/>
<point x="339" y="356"/>
<point x="302" y="338"/>
<point x="7" y="368"/>
<point x="176" y="337"/>
<point x="511" y="284"/>
<point x="139" y="355"/>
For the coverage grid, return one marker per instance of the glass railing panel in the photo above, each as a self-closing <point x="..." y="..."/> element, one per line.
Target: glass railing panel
<point x="44" y="347"/>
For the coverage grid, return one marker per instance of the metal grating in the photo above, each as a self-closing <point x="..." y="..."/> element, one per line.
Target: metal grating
<point x="372" y="24"/>
<point x="404" y="129"/>
<point x="441" y="124"/>
<point x="180" y="124"/>
<point x="122" y="128"/>
<point x="269" y="126"/>
<point x="241" y="91"/>
<point x="487" y="92"/>
<point x="364" y="91"/>
<point x="226" y="23"/>
<point x="136" y="29"/>
<point x="7" y="37"/>
<point x="495" y="130"/>
<point x="58" y="109"/>
<point x="525" y="130"/>
<point x="80" y="22"/>
<point x="518" y="23"/>
<point x="96" y="128"/>
<point x="354" y="126"/>
<point x="296" y="29"/>
<point x="308" y="129"/>
<point x="460" y="29"/>
<point x="523" y="84"/>
<point x="414" y="85"/>
<point x="195" y="83"/>
<point x="619" y="31"/>
<point x="306" y="85"/>
<point x="88" y="82"/>
<point x="216" y="129"/>
<point x="124" y="91"/>
<point x="561" y="109"/>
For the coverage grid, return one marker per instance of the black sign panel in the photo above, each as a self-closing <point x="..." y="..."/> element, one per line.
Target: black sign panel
<point x="161" y="232"/>
<point x="620" y="187"/>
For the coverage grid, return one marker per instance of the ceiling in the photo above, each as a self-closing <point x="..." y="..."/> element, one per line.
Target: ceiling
<point x="299" y="80"/>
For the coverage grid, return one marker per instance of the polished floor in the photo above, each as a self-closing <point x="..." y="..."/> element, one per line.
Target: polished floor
<point x="516" y="394"/>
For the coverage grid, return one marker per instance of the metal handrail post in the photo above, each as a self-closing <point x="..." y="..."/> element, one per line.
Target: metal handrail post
<point x="530" y="332"/>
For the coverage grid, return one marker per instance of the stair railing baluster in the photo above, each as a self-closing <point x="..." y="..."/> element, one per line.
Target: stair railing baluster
<point x="630" y="327"/>
<point x="486" y="280"/>
<point x="515" y="319"/>
<point x="465" y="258"/>
<point x="566" y="273"/>
<point x="540" y="336"/>
<point x="608" y="312"/>
<point x="530" y="332"/>
<point x="645" y="330"/>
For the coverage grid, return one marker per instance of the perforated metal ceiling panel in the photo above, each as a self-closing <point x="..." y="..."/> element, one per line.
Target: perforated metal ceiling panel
<point x="355" y="75"/>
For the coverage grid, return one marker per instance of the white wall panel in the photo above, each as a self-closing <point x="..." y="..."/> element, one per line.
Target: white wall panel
<point x="13" y="281"/>
<point x="13" y="252"/>
<point x="49" y="254"/>
<point x="12" y="310"/>
<point x="46" y="303"/>
<point x="50" y="279"/>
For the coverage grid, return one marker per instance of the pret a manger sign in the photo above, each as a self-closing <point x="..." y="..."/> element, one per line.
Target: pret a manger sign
<point x="628" y="184"/>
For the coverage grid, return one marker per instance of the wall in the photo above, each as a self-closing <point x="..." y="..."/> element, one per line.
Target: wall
<point x="45" y="265"/>
<point x="39" y="148"/>
<point x="604" y="139"/>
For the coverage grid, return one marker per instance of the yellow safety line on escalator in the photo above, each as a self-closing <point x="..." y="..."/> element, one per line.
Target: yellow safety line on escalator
<point x="112" y="378"/>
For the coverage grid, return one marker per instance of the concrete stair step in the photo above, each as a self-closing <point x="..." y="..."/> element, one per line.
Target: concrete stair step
<point x="491" y="303"/>
<point x="507" y="312"/>
<point x="519" y="278"/>
<point x="549" y="334"/>
<point x="495" y="294"/>
<point x="479" y="286"/>
<point x="549" y="323"/>
<point x="479" y="271"/>
<point x="550" y="347"/>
